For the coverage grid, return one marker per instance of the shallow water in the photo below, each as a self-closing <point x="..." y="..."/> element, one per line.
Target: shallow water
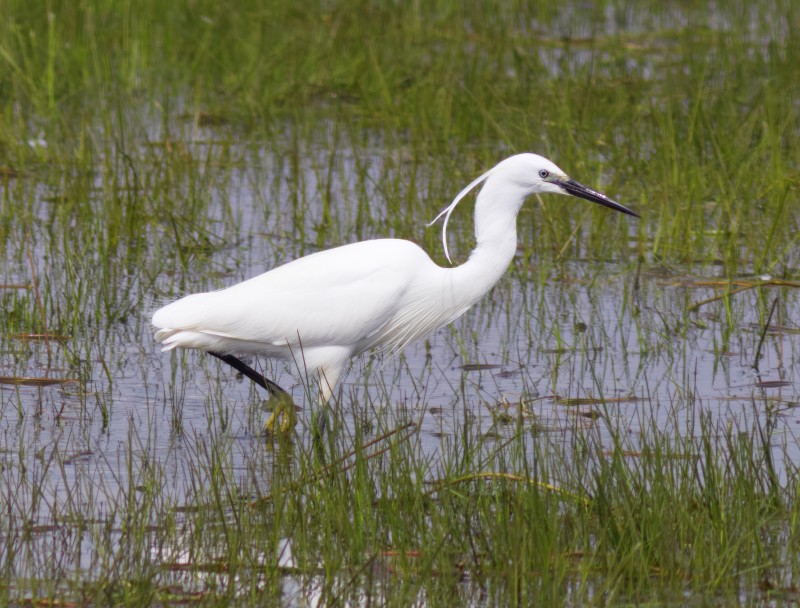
<point x="584" y="341"/>
<point x="575" y="349"/>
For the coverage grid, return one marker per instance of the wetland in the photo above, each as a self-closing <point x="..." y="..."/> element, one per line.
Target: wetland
<point x="614" y="424"/>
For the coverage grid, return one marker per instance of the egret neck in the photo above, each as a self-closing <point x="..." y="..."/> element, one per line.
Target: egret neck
<point x="496" y="209"/>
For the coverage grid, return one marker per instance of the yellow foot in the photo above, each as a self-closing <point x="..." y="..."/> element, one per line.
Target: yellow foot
<point x="282" y="416"/>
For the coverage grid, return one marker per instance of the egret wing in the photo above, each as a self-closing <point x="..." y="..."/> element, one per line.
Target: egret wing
<point x="336" y="297"/>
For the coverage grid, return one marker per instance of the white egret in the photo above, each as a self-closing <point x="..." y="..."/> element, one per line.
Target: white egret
<point x="322" y="309"/>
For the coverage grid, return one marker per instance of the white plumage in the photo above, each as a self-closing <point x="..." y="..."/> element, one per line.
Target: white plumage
<point x="324" y="308"/>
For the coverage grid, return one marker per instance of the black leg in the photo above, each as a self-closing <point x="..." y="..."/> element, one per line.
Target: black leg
<point x="320" y="423"/>
<point x="242" y="367"/>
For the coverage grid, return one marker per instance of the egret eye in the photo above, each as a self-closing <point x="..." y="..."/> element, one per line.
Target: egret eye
<point x="543" y="173"/>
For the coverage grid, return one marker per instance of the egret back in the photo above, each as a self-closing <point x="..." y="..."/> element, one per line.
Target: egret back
<point x="339" y="297"/>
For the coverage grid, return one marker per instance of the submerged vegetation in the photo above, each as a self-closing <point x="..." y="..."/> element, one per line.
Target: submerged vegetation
<point x="614" y="424"/>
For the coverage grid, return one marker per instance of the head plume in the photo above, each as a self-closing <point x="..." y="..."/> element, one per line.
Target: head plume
<point x="449" y="209"/>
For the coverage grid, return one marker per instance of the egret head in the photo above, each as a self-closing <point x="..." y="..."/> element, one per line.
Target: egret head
<point x="532" y="174"/>
<point x="538" y="175"/>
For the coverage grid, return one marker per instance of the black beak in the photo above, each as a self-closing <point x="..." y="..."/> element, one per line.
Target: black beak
<point x="577" y="189"/>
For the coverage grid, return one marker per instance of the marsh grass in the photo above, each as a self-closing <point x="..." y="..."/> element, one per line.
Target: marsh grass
<point x="578" y="523"/>
<point x="592" y="433"/>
